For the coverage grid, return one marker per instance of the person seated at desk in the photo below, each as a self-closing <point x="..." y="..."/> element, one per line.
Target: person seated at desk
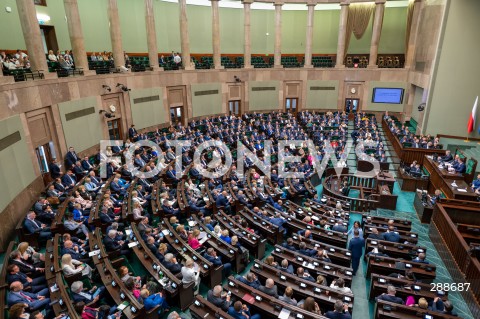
<point x="301" y="273"/>
<point x="420" y="259"/>
<point x="211" y="256"/>
<point x="284" y="266"/>
<point x="416" y="170"/>
<point x="251" y="280"/>
<point x="391" y="235"/>
<point x="444" y="307"/>
<point x="170" y="262"/>
<point x="375" y="234"/>
<point x="340" y="285"/>
<point x="390" y="296"/>
<point x="35" y="301"/>
<point x="459" y="166"/>
<point x="33" y="284"/>
<point x="287" y="296"/>
<point x="151" y="301"/>
<point x="90" y="297"/>
<point x="241" y="311"/>
<point x="447" y="157"/>
<point x="340" y="312"/>
<point x="433" y="199"/>
<point x="476" y="183"/>
<point x="270" y="288"/>
<point x="218" y="299"/>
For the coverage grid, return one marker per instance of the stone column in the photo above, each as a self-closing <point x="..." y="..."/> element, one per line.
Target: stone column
<point x="278" y="35"/>
<point x="342" y="34"/>
<point x="76" y="36"/>
<point x="151" y="35"/>
<point x="247" y="60"/>
<point x="184" y="37"/>
<point x="412" y="40"/>
<point x="377" y="31"/>
<point x="115" y="34"/>
<point x="32" y="37"/>
<point x="216" y="35"/>
<point x="309" y="39"/>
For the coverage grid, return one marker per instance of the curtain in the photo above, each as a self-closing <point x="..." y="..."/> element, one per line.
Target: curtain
<point x="358" y="18"/>
<point x="409" y="24"/>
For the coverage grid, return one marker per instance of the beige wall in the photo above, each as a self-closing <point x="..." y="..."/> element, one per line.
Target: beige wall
<point x="85" y="131"/>
<point x="148" y="113"/>
<point x="455" y="83"/>
<point x="206" y="104"/>
<point x="369" y="106"/>
<point x="322" y="99"/>
<point x="264" y="99"/>
<point x="16" y="169"/>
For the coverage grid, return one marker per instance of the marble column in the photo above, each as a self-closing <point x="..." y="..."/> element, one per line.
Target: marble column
<point x="216" y="35"/>
<point x="309" y="39"/>
<point x="412" y="40"/>
<point x="342" y="28"/>
<point x="247" y="60"/>
<point x="76" y="36"/>
<point x="32" y="37"/>
<point x="115" y="34"/>
<point x="151" y="35"/>
<point x="278" y="35"/>
<point x="184" y="37"/>
<point x="6" y="79"/>
<point x="377" y="31"/>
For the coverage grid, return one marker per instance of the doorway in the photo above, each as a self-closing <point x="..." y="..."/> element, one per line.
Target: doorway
<point x="234" y="107"/>
<point x="49" y="38"/>
<point x="176" y="114"/>
<point x="351" y="105"/>
<point x="45" y="153"/>
<point x="115" y="129"/>
<point x="291" y="105"/>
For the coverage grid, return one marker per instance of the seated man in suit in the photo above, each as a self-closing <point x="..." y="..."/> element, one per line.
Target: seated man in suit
<point x="223" y="201"/>
<point x="305" y="233"/>
<point x="390" y="296"/>
<point x="287" y="296"/>
<point x="79" y="170"/>
<point x="243" y="199"/>
<point x="444" y="307"/>
<point x="34" y="301"/>
<point x="284" y="266"/>
<point x="476" y="183"/>
<point x="77" y="252"/>
<point x="170" y="262"/>
<point x="301" y="273"/>
<point x="34" y="285"/>
<point x="112" y="244"/>
<point x="69" y="180"/>
<point x="447" y="157"/>
<point x="270" y="288"/>
<point x="279" y="205"/>
<point x="340" y="312"/>
<point x="391" y="235"/>
<point x="279" y="221"/>
<point x="375" y="234"/>
<point x="241" y="311"/>
<point x="211" y="256"/>
<point x="460" y="168"/>
<point x="250" y="279"/>
<point x="79" y="295"/>
<point x="168" y="209"/>
<point x="25" y="267"/>
<point x="31" y="225"/>
<point x="420" y="259"/>
<point x="216" y="297"/>
<point x="117" y="188"/>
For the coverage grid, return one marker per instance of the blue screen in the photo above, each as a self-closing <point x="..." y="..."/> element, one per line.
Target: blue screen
<point x="387" y="95"/>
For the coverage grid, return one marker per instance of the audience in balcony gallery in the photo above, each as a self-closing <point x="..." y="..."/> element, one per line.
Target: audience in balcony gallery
<point x="409" y="139"/>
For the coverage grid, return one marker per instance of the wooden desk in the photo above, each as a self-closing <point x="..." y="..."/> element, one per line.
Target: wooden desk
<point x="254" y="243"/>
<point x="201" y="308"/>
<point x="404" y="312"/>
<point x="317" y="267"/>
<point x="405" y="236"/>
<point x="399" y="223"/>
<point x="404" y="288"/>
<point x="394" y="250"/>
<point x="424" y="211"/>
<point x="386" y="266"/>
<point x="386" y="179"/>
<point x="409" y="183"/>
<point x="387" y="199"/>
<point x="302" y="288"/>
<point x="268" y="306"/>
<point x="441" y="179"/>
<point x="470" y="233"/>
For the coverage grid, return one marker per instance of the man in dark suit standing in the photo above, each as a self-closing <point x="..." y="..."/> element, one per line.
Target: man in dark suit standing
<point x="54" y="169"/>
<point x="132" y="132"/>
<point x="71" y="158"/>
<point x="356" y="247"/>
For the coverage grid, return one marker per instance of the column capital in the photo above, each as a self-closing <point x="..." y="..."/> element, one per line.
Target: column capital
<point x="214" y="0"/>
<point x="344" y="3"/>
<point x="377" y="2"/>
<point x="311" y="3"/>
<point x="278" y="3"/>
<point x="247" y="1"/>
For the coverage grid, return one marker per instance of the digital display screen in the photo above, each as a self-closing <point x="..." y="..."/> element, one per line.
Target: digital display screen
<point x="387" y="95"/>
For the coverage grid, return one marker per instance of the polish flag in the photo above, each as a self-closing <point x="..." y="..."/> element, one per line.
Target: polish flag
<point x="471" y="120"/>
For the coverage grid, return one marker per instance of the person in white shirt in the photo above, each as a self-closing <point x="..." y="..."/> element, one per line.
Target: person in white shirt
<point x="190" y="275"/>
<point x="52" y="57"/>
<point x="72" y="266"/>
<point x="177" y="59"/>
<point x="340" y="285"/>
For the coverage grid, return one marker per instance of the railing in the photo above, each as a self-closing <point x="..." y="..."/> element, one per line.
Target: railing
<point x="356" y="204"/>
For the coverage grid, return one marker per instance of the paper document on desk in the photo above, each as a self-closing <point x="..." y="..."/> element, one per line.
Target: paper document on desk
<point x="454" y="184"/>
<point x="284" y="314"/>
<point x="202" y="237"/>
<point x="192" y="223"/>
<point x="165" y="232"/>
<point x="461" y="190"/>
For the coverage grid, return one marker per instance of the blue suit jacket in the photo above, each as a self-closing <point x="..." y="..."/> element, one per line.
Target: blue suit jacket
<point x="356" y="247"/>
<point x="14" y="298"/>
<point x="216" y="261"/>
<point x="221" y="200"/>
<point x="30" y="226"/>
